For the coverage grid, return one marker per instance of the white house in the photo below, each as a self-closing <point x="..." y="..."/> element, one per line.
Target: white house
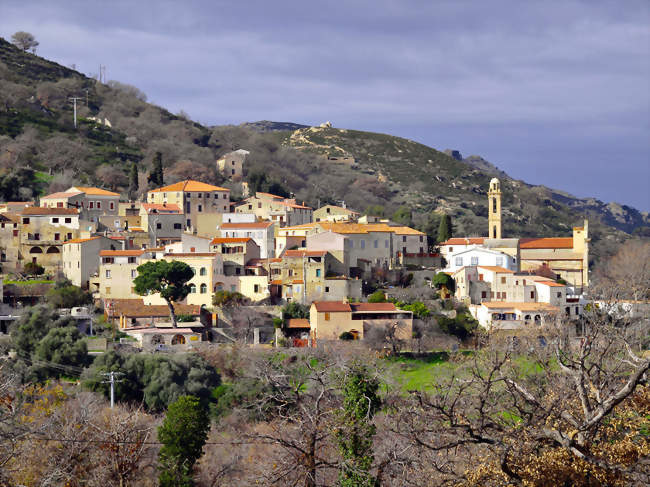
<point x="262" y="233"/>
<point x="478" y="256"/>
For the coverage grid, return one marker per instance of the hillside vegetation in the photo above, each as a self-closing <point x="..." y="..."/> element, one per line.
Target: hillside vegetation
<point x="41" y="151"/>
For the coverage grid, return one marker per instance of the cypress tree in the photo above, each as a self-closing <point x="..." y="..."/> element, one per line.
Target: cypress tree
<point x="444" y="230"/>
<point x="133" y="183"/>
<point x="156" y="176"/>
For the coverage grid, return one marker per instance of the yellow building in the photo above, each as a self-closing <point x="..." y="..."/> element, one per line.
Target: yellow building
<point x="329" y="319"/>
<point x="332" y="213"/>
<point x="79" y="258"/>
<point x="194" y="198"/>
<point x="42" y="233"/>
<point x="231" y="165"/>
<point x="91" y="202"/>
<point x="283" y="211"/>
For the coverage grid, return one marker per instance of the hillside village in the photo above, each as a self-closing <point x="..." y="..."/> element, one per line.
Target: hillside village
<point x="270" y="251"/>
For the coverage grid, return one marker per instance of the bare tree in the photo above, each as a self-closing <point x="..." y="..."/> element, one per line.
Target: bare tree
<point x="502" y="418"/>
<point x="25" y="41"/>
<point x="112" y="176"/>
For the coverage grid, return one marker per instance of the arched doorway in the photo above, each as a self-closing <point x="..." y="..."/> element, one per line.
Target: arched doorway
<point x="36" y="250"/>
<point x="53" y="250"/>
<point x="178" y="340"/>
<point x="538" y="319"/>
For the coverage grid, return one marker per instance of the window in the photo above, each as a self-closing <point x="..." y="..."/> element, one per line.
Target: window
<point x="91" y="205"/>
<point x="256" y="288"/>
<point x="158" y="226"/>
<point x="68" y="220"/>
<point x="57" y="236"/>
<point x="327" y="289"/>
<point x="421" y="239"/>
<point x="503" y="280"/>
<point x="108" y="273"/>
<point x="199" y="195"/>
<point x="204" y="288"/>
<point x="404" y="238"/>
<point x="25" y="221"/>
<point x="178" y="226"/>
<point x="351" y="244"/>
<point x="483" y="294"/>
<point x="317" y="272"/>
<point x="37" y="236"/>
<point x="69" y="236"/>
<point x="385" y="244"/>
<point x="504" y="295"/>
<point x="532" y="295"/>
<point x="203" y="271"/>
<point x="494" y="205"/>
<point x="207" y="196"/>
<point x="559" y="295"/>
<point x="500" y="261"/>
<point x="112" y="205"/>
<point x="131" y="260"/>
<point x="134" y="274"/>
<point x="99" y="205"/>
<point x="59" y="205"/>
<point x="192" y="289"/>
<point x="376" y="243"/>
<point x="188" y="223"/>
<point x="225" y="196"/>
<point x="233" y="288"/>
<point x="55" y="220"/>
<point x="363" y="244"/>
<point x="459" y="261"/>
<point x="259" y="205"/>
<point x="474" y="260"/>
<point x="327" y="316"/>
<point x="200" y="208"/>
<point x="108" y="290"/>
<point x="250" y="207"/>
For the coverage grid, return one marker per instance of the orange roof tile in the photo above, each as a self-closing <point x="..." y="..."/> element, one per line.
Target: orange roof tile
<point x="276" y="282"/>
<point x="464" y="241"/>
<point x="93" y="191"/>
<point x="80" y="240"/>
<point x="495" y="268"/>
<point x="217" y="240"/>
<point x="136" y="308"/>
<point x="551" y="283"/>
<point x="546" y="243"/>
<point x="298" y="323"/>
<point x="189" y="185"/>
<point x="269" y="195"/>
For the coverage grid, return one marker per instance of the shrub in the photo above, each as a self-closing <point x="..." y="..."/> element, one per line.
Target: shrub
<point x="34" y="269"/>
<point x="377" y="297"/>
<point x="347" y="336"/>
<point x="228" y="298"/>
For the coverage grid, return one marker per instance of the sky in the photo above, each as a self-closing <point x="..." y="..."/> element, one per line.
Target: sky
<point x="552" y="92"/>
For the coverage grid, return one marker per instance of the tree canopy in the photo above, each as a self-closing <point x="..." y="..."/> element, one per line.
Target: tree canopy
<point x="445" y="230"/>
<point x="25" y="41"/>
<point x="169" y="278"/>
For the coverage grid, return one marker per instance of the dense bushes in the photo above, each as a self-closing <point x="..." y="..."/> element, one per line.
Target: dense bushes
<point x="155" y="380"/>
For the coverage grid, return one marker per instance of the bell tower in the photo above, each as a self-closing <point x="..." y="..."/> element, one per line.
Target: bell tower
<point x="494" y="209"/>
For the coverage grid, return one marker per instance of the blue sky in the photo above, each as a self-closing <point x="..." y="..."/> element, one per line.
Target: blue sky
<point x="554" y="93"/>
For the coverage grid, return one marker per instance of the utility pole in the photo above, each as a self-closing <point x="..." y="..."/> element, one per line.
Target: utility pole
<point x="111" y="375"/>
<point x="74" y="99"/>
<point x="86" y="97"/>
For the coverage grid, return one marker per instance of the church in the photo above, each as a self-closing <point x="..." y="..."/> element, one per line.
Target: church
<point x="564" y="258"/>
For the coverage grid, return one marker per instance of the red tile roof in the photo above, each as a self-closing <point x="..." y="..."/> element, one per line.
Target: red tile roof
<point x="464" y="241"/>
<point x="331" y="306"/>
<point x="80" y="240"/>
<point x="137" y="309"/>
<point x="546" y="243"/>
<point x="191" y="254"/>
<point x="93" y="191"/>
<point x="37" y="211"/>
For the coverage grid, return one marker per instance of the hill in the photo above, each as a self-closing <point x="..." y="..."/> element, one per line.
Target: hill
<point x="41" y="151"/>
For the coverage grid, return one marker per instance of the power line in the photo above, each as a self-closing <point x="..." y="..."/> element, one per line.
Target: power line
<point x="112" y="382"/>
<point x="74" y="100"/>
